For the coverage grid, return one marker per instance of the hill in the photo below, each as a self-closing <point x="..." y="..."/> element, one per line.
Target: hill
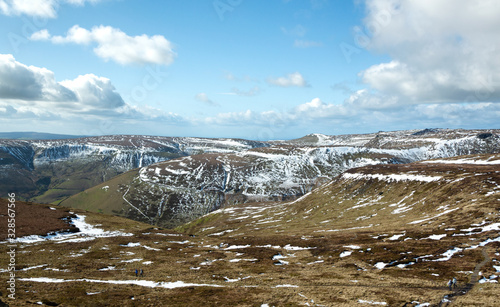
<point x="382" y="234"/>
<point x="49" y="171"/>
<point x="174" y="192"/>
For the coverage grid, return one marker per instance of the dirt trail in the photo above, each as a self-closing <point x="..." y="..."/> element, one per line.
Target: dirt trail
<point x="459" y="291"/>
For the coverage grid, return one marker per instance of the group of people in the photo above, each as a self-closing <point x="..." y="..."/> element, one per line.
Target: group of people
<point x="137" y="273"/>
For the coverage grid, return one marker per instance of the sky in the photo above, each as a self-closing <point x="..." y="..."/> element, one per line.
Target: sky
<point x="253" y="69"/>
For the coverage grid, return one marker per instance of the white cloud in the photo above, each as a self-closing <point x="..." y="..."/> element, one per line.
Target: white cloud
<point x="233" y="118"/>
<point x="37" y="87"/>
<point x="314" y="112"/>
<point x="351" y="117"/>
<point x="203" y="97"/>
<point x="293" y="79"/>
<point x="38" y="8"/>
<point x="442" y="51"/>
<point x="29" y="92"/>
<point x="82" y="2"/>
<point x="22" y="82"/>
<point x="114" y="44"/>
<point x="90" y="104"/>
<point x="95" y="92"/>
<point x="40" y="35"/>
<point x="317" y="110"/>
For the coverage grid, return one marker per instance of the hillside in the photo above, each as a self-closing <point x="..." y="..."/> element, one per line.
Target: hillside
<point x="177" y="191"/>
<point x="388" y="235"/>
<point x="49" y="171"/>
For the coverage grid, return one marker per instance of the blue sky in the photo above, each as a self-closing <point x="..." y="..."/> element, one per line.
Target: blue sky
<point x="276" y="69"/>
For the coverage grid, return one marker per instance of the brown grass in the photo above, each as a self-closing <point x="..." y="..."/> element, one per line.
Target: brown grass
<point x="33" y="219"/>
<point x="204" y="251"/>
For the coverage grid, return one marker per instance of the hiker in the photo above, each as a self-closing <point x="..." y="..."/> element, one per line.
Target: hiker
<point x="136" y="272"/>
<point x="142" y="273"/>
<point x="452" y="283"/>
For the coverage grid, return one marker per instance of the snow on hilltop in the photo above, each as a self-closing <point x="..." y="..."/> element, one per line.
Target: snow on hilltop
<point x="73" y="165"/>
<point x="179" y="190"/>
<point x="192" y="176"/>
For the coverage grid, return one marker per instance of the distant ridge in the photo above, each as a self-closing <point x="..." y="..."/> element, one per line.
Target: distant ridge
<point x="36" y="136"/>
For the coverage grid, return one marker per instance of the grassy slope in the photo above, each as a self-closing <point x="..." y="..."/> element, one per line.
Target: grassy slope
<point x="101" y="199"/>
<point x="235" y="247"/>
<point x="369" y="212"/>
<point x="386" y="206"/>
<point x="69" y="178"/>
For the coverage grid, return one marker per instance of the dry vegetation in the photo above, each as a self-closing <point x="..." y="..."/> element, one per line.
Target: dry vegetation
<point x="353" y="242"/>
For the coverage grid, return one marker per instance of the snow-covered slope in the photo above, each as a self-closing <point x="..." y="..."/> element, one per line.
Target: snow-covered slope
<point x="55" y="169"/>
<point x="387" y="234"/>
<point x="175" y="191"/>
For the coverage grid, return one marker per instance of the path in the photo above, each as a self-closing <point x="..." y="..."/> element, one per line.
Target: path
<point x="459" y="291"/>
<point x="133" y="205"/>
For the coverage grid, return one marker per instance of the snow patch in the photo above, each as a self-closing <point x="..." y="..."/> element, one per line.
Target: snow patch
<point x="345" y="254"/>
<point x="143" y="283"/>
<point x="391" y="177"/>
<point x="371" y="302"/>
<point x="395" y="237"/>
<point x="435" y="237"/>
<point x="87" y="232"/>
<point x="380" y="265"/>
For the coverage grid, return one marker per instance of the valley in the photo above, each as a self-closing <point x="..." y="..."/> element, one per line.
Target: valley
<point x="174" y="192"/>
<point x="387" y="234"/>
<point x="48" y="171"/>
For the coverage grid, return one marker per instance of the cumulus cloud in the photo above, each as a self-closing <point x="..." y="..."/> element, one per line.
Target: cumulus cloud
<point x="114" y="44"/>
<point x="313" y="112"/>
<point x="294" y="79"/>
<point x="22" y="82"/>
<point x="36" y="88"/>
<point x="30" y="85"/>
<point x="232" y="118"/>
<point x="95" y="92"/>
<point x="40" y="35"/>
<point x="33" y="90"/>
<point x="38" y="8"/>
<point x="203" y="97"/>
<point x="442" y="51"/>
<point x="349" y="117"/>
